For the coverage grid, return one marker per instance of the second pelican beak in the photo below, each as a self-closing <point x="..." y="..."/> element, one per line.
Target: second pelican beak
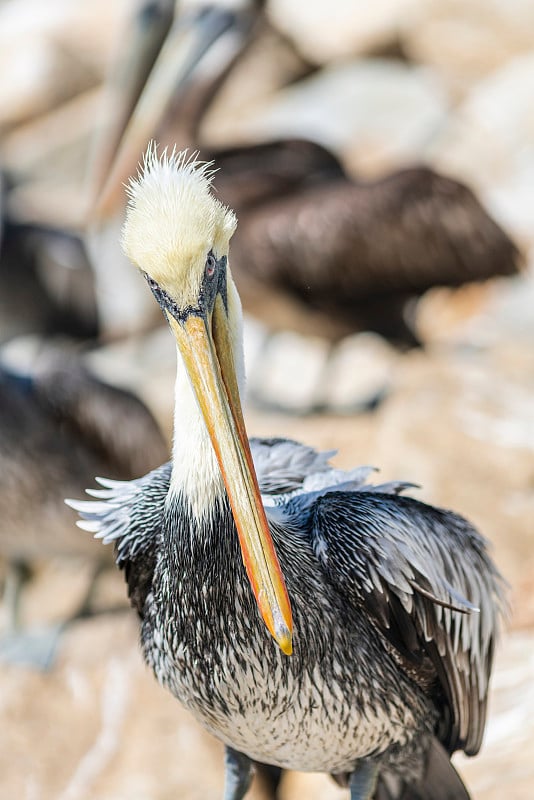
<point x="206" y="349"/>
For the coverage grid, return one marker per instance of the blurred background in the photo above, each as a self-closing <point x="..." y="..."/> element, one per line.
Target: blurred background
<point x="380" y="157"/>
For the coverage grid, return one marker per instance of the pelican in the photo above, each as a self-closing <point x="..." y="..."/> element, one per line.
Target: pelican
<point x="308" y="619"/>
<point x="58" y="424"/>
<point x="46" y="281"/>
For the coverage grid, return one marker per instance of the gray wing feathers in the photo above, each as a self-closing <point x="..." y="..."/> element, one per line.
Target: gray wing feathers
<point x="282" y="465"/>
<point x="129" y="514"/>
<point x="426" y="578"/>
<point x="287" y="469"/>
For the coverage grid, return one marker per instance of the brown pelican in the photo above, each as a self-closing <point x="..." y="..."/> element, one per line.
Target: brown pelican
<point x="315" y="248"/>
<point x="58" y="425"/>
<point x="382" y="611"/>
<point x="46" y="281"/>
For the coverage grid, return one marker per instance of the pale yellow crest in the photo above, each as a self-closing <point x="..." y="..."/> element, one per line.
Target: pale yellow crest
<point x="173" y="221"/>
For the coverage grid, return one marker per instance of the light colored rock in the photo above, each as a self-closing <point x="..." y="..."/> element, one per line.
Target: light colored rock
<point x="325" y="30"/>
<point x="48" y="158"/>
<point x="359" y="373"/>
<point x="489" y="143"/>
<point x="464" y="40"/>
<point x="40" y="77"/>
<point x="87" y="28"/>
<point x="479" y="315"/>
<point x="287" y="372"/>
<point x="293" y="373"/>
<point x="376" y="112"/>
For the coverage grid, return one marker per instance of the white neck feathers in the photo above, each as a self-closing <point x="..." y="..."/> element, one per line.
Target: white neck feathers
<point x="196" y="474"/>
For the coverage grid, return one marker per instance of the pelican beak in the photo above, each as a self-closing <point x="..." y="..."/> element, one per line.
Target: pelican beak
<point x="205" y="346"/>
<point x="164" y="55"/>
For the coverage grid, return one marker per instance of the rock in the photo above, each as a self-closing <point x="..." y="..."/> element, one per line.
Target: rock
<point x="489" y="143"/>
<point x="478" y="315"/>
<point x="377" y="113"/>
<point x="87" y="29"/>
<point x="465" y="40"/>
<point x="300" y="374"/>
<point x="324" y="31"/>
<point x="41" y="76"/>
<point x="287" y="372"/>
<point x="359" y="373"/>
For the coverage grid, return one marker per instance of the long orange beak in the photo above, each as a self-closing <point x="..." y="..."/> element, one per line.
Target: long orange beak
<point x="206" y="349"/>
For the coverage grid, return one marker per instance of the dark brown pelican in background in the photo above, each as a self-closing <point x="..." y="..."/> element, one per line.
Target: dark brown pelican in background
<point x="46" y="281"/>
<point x="383" y="611"/>
<point x="58" y="425"/>
<point x="315" y="249"/>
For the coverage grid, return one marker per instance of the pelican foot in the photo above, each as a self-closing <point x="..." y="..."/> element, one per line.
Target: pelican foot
<point x="35" y="647"/>
<point x="363" y="781"/>
<point x="238" y="774"/>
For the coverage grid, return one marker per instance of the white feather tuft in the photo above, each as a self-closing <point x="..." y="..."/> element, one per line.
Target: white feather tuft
<point x="173" y="221"/>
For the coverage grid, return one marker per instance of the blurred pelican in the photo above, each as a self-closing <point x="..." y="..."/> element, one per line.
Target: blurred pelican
<point x="315" y="249"/>
<point x="59" y="425"/>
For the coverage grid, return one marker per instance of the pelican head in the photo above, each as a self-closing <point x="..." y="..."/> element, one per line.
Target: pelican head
<point x="177" y="233"/>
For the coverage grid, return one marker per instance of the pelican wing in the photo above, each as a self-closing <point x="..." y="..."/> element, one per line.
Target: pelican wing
<point x="425" y="578"/>
<point x="129" y="515"/>
<point x="283" y="465"/>
<point x="287" y="469"/>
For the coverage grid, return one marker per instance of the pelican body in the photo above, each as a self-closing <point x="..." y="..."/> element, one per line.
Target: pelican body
<point x="307" y="619"/>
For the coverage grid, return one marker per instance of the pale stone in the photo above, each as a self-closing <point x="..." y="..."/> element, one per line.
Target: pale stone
<point x="325" y="30"/>
<point x="464" y="40"/>
<point x="88" y="28"/>
<point x="288" y="371"/>
<point x="40" y="77"/>
<point x="489" y="144"/>
<point x="376" y="113"/>
<point x="359" y="373"/>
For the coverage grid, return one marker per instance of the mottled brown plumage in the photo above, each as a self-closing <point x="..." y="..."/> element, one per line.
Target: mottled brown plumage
<point x="58" y="428"/>
<point x="357" y="252"/>
<point x="46" y="281"/>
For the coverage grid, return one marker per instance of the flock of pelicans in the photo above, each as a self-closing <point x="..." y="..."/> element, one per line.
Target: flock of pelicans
<point x="307" y="618"/>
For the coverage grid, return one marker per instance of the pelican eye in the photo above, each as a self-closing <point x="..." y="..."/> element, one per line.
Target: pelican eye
<point x="211" y="264"/>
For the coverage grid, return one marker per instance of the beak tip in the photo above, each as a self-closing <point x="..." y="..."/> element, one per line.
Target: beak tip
<point x="284" y="638"/>
<point x="286" y="645"/>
